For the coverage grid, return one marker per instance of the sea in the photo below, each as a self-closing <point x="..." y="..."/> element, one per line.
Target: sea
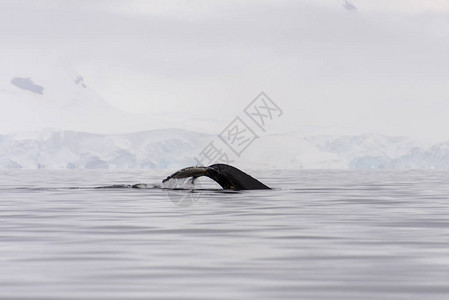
<point x="318" y="234"/>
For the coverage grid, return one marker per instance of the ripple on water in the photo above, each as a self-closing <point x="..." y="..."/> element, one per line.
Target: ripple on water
<point x="316" y="235"/>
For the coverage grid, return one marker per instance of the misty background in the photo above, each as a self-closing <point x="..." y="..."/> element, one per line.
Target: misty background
<point x="361" y="83"/>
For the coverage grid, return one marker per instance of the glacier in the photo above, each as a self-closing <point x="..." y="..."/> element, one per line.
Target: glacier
<point x="177" y="148"/>
<point x="156" y="149"/>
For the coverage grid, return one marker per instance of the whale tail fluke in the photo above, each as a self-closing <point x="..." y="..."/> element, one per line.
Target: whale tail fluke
<point x="228" y="177"/>
<point x="187" y="172"/>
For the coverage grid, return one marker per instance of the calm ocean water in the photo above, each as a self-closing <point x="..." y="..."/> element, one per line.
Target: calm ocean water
<point x="317" y="235"/>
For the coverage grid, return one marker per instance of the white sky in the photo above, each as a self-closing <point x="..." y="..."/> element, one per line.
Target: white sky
<point x="381" y="68"/>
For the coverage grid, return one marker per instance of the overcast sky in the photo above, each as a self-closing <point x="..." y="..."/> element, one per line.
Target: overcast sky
<point x="347" y="67"/>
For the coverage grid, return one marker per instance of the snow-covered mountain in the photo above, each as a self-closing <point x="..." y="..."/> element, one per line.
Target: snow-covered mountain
<point x="375" y="151"/>
<point x="175" y="148"/>
<point x="36" y="94"/>
<point x="367" y="151"/>
<point x="86" y="132"/>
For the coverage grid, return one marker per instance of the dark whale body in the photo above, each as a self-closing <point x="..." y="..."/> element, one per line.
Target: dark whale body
<point x="226" y="176"/>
